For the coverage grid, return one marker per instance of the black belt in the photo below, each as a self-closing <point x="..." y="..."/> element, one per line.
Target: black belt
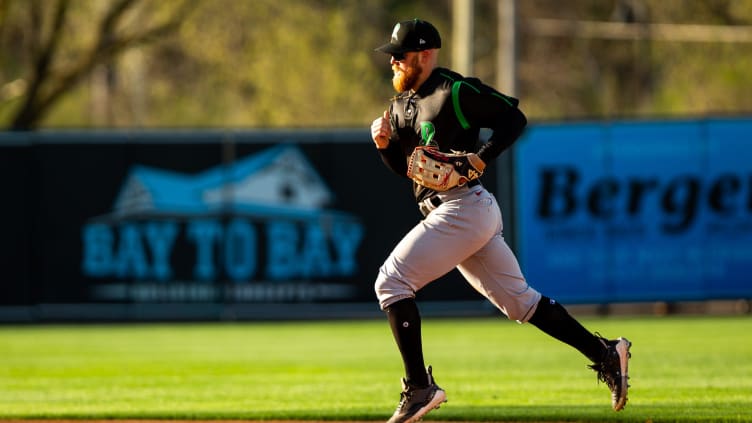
<point x="436" y="201"/>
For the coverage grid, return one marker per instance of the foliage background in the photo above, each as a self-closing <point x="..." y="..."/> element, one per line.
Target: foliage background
<point x="310" y="63"/>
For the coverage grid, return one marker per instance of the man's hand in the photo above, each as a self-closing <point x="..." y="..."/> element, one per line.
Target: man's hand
<point x="381" y="131"/>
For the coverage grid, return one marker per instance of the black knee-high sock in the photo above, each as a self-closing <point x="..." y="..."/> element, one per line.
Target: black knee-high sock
<point x="404" y="320"/>
<point x="553" y="319"/>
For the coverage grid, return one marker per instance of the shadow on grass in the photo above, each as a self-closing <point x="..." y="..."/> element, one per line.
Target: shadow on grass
<point x="736" y="411"/>
<point x="654" y="413"/>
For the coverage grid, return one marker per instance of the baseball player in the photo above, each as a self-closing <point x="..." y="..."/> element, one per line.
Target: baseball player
<point x="430" y="134"/>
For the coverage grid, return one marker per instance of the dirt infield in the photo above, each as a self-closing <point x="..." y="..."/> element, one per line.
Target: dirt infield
<point x="186" y="421"/>
<point x="201" y="421"/>
<point x="192" y="421"/>
<point x="215" y="421"/>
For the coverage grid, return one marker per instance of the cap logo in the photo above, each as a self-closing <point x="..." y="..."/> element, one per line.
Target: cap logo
<point x="421" y="41"/>
<point x="395" y="38"/>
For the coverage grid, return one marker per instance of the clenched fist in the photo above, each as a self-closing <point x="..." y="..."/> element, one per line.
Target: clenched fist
<point x="381" y="131"/>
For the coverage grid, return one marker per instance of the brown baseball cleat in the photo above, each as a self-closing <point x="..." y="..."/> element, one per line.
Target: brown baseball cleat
<point x="417" y="402"/>
<point x="613" y="370"/>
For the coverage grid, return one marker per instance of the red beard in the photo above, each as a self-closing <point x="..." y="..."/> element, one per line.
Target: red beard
<point x="406" y="80"/>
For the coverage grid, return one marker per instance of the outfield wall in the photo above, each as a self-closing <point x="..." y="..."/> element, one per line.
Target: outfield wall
<point x="212" y="225"/>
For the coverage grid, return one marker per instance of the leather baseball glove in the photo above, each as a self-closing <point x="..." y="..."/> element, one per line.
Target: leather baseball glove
<point x="443" y="171"/>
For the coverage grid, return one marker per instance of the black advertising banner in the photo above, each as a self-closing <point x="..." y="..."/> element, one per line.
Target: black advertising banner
<point x="16" y="180"/>
<point x="179" y="225"/>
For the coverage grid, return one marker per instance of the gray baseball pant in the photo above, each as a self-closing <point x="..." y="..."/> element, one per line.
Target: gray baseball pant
<point x="464" y="231"/>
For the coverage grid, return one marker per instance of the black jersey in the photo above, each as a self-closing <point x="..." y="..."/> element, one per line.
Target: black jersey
<point x="447" y="112"/>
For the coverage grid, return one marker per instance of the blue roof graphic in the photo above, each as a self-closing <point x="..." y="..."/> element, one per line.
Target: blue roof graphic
<point x="278" y="181"/>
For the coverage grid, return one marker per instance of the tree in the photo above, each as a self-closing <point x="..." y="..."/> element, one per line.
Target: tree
<point x="50" y="74"/>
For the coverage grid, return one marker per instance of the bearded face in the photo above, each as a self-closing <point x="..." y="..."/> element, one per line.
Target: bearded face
<point x="406" y="73"/>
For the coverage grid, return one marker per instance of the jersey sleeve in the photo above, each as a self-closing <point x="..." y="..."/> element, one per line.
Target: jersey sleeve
<point x="393" y="156"/>
<point x="478" y="105"/>
<point x="394" y="159"/>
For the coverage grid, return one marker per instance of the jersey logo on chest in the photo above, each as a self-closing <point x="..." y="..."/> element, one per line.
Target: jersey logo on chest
<point x="427" y="132"/>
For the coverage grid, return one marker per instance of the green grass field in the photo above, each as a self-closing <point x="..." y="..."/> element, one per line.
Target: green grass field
<point x="682" y="369"/>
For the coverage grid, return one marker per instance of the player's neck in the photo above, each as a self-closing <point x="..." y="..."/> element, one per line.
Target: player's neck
<point x="427" y="71"/>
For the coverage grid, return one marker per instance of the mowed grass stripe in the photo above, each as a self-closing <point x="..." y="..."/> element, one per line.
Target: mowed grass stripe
<point x="683" y="369"/>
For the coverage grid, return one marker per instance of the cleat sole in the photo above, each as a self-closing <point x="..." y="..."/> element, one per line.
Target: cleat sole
<point x="436" y="401"/>
<point x="624" y="355"/>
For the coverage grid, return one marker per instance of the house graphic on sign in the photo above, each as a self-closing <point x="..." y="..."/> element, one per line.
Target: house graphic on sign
<point x="276" y="182"/>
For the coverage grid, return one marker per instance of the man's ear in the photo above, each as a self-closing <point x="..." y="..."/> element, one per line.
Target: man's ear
<point x="425" y="56"/>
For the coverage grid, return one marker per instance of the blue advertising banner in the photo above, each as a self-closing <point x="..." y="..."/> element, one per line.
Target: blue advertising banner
<point x="636" y="211"/>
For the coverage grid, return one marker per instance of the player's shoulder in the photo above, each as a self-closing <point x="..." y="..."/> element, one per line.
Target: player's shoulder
<point x="447" y="77"/>
<point x="451" y="79"/>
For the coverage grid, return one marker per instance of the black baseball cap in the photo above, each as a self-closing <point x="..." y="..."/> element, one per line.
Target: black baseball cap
<point x="413" y="35"/>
